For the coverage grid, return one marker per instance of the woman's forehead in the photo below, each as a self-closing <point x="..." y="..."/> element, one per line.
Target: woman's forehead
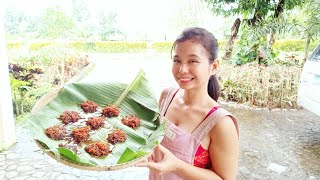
<point x="189" y="48"/>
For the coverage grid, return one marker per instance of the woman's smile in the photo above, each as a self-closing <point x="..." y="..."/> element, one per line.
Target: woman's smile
<point x="185" y="80"/>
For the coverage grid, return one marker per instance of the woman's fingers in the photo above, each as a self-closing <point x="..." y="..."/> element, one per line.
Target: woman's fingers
<point x="150" y="165"/>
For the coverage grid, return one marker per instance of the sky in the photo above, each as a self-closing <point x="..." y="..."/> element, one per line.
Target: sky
<point x="158" y="18"/>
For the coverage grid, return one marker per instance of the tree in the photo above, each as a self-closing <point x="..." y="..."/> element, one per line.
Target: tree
<point x="55" y="23"/>
<point x="108" y="25"/>
<point x="254" y="12"/>
<point x="17" y="23"/>
<point x="80" y="11"/>
<point x="310" y="22"/>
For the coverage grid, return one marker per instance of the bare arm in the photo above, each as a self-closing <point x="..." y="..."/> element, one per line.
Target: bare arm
<point x="224" y="148"/>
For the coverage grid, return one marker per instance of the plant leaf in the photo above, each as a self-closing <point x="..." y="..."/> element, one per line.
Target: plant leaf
<point x="136" y="98"/>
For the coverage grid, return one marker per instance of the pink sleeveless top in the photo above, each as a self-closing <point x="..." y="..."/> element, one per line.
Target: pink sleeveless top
<point x="184" y="145"/>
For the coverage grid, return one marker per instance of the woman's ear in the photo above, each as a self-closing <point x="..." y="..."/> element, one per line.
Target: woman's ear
<point x="214" y="66"/>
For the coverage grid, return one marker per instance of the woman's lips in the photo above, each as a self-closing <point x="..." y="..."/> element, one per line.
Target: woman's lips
<point x="185" y="80"/>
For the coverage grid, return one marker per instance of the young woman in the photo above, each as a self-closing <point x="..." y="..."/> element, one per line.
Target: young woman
<point x="201" y="141"/>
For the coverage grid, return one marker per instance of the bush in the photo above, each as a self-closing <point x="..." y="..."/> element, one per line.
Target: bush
<point x="162" y="46"/>
<point x="34" y="75"/>
<point x="14" y="45"/>
<point x="83" y="46"/>
<point x="120" y="46"/>
<point x="222" y="45"/>
<point x="290" y="45"/>
<point x="273" y="86"/>
<point x="39" y="45"/>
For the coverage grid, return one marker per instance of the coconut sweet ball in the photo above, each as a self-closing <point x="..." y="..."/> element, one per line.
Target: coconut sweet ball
<point x="56" y="132"/>
<point x="80" y="134"/>
<point x="110" y="111"/>
<point x="69" y="117"/>
<point x="131" y="121"/>
<point x="98" y="149"/>
<point x="95" y="122"/>
<point x="117" y="136"/>
<point x="89" y="106"/>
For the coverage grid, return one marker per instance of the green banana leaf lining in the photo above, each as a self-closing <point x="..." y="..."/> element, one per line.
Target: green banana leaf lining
<point x="136" y="98"/>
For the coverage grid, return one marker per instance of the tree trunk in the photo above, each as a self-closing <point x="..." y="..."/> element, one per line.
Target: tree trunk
<point x="22" y="95"/>
<point x="16" y="104"/>
<point x="271" y="40"/>
<point x="234" y="33"/>
<point x="306" y="48"/>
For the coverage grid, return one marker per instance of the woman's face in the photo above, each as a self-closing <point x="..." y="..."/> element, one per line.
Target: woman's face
<point x="191" y="67"/>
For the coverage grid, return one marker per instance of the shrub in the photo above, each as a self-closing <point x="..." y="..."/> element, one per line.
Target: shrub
<point x="162" y="46"/>
<point x="290" y="45"/>
<point x="265" y="86"/>
<point x="120" y="46"/>
<point x="39" y="45"/>
<point x="83" y="46"/>
<point x="14" y="45"/>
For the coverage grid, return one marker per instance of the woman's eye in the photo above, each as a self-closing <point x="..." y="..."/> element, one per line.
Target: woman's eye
<point x="176" y="61"/>
<point x="194" y="61"/>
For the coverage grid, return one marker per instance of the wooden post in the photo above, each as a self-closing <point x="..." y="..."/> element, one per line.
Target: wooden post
<point x="7" y="128"/>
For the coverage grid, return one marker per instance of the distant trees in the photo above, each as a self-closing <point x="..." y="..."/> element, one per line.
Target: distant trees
<point x="17" y="22"/>
<point x="55" y="23"/>
<point x="108" y="25"/>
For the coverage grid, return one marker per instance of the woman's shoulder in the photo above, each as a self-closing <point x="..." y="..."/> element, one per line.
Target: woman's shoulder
<point x="166" y="92"/>
<point x="227" y="123"/>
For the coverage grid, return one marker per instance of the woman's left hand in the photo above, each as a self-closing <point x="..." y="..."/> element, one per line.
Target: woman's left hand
<point x="161" y="161"/>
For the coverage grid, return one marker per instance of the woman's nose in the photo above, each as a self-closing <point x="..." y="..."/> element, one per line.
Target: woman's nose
<point x="183" y="68"/>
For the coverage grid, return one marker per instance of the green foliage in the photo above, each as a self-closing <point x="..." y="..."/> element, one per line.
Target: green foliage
<point x="120" y="46"/>
<point x="83" y="46"/>
<point x="311" y="21"/>
<point x="22" y="81"/>
<point x="260" y="18"/>
<point x="80" y="10"/>
<point x="17" y="22"/>
<point x="289" y="45"/>
<point x="34" y="75"/>
<point x="55" y="23"/>
<point x="14" y="45"/>
<point x="251" y="48"/>
<point x="38" y="45"/>
<point x="247" y="8"/>
<point x="108" y="25"/>
<point x="109" y="46"/>
<point x="222" y="45"/>
<point x="162" y="46"/>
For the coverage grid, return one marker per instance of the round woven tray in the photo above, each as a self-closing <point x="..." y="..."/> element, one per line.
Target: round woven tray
<point x="43" y="101"/>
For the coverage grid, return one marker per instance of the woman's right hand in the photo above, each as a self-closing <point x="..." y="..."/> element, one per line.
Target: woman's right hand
<point x="161" y="161"/>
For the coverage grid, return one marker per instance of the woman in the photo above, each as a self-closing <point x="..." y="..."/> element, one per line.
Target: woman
<point x="201" y="141"/>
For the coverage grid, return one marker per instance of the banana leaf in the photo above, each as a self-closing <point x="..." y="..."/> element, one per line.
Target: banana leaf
<point x="135" y="98"/>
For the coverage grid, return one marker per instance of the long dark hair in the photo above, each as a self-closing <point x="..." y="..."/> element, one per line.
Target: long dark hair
<point x="210" y="43"/>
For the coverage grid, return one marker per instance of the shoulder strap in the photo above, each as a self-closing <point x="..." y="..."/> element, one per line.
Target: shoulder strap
<point x="205" y="127"/>
<point x="166" y="99"/>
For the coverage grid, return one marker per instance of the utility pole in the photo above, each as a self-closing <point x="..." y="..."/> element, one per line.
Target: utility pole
<point x="7" y="128"/>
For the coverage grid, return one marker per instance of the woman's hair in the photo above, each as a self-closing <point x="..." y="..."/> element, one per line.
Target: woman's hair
<point x="210" y="43"/>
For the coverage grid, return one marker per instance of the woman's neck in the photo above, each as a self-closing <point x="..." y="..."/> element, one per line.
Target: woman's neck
<point x="196" y="97"/>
